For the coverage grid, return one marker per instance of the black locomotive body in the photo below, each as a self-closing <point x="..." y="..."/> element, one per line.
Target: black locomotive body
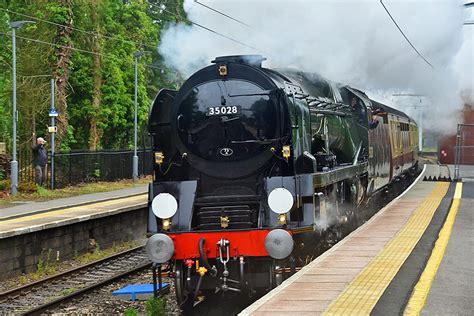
<point x="254" y="165"/>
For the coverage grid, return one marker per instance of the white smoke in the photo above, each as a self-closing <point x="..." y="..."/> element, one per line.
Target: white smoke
<point x="348" y="41"/>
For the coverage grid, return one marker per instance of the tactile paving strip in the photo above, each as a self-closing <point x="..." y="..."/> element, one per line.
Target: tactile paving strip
<point x="360" y="297"/>
<point x="422" y="288"/>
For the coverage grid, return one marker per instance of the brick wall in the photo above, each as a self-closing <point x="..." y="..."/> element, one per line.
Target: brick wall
<point x="21" y="254"/>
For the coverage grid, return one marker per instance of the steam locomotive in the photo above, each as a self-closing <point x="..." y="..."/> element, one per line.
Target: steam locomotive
<point x="253" y="166"/>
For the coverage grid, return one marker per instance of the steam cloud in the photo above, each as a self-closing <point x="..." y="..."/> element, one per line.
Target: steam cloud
<point x="347" y="41"/>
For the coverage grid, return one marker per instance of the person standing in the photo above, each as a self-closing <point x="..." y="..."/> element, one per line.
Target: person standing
<point x="40" y="159"/>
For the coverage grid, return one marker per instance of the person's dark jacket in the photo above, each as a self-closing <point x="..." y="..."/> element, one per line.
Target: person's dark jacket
<point x="40" y="156"/>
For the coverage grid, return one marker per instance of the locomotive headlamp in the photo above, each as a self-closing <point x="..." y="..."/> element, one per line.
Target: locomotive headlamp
<point x="286" y="152"/>
<point x="164" y="206"/>
<point x="279" y="244"/>
<point x="223" y="70"/>
<point x="282" y="219"/>
<point x="166" y="224"/>
<point x="159" y="158"/>
<point x="159" y="248"/>
<point x="280" y="200"/>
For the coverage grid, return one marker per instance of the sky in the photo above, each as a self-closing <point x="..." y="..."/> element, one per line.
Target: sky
<point x="349" y="41"/>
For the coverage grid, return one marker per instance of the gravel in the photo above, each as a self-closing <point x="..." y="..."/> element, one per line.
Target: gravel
<point x="56" y="267"/>
<point x="24" y="279"/>
<point x="102" y="302"/>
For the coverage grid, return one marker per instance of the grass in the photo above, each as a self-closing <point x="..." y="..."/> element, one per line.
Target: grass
<point x="98" y="253"/>
<point x="47" y="267"/>
<point x="153" y="307"/>
<point x="131" y="311"/>
<point x="38" y="193"/>
<point x="68" y="291"/>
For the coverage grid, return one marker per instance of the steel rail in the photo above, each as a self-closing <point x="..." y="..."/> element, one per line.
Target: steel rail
<point x="51" y="304"/>
<point x="15" y="291"/>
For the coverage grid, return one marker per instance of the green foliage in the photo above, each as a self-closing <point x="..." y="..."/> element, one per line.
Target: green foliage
<point x="155" y="307"/>
<point x="27" y="187"/>
<point x="131" y="312"/>
<point x="43" y="266"/>
<point x="100" y="90"/>
<point x="42" y="192"/>
<point x="4" y="185"/>
<point x="68" y="291"/>
<point x="33" y="68"/>
<point x="69" y="139"/>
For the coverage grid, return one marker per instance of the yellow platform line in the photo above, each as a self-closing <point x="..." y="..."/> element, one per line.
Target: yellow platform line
<point x="422" y="288"/>
<point x="73" y="209"/>
<point x="361" y="295"/>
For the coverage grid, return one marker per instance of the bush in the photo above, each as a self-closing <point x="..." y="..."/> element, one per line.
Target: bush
<point x="155" y="307"/>
<point x="131" y="312"/>
<point x="27" y="187"/>
<point x="42" y="191"/>
<point x="4" y="185"/>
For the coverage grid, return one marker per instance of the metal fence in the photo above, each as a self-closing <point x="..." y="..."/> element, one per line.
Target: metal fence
<point x="71" y="168"/>
<point x="464" y="152"/>
<point x="26" y="170"/>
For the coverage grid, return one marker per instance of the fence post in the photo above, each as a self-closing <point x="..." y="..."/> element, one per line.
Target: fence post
<point x="457" y="153"/>
<point x="143" y="154"/>
<point x="53" y="124"/>
<point x="70" y="175"/>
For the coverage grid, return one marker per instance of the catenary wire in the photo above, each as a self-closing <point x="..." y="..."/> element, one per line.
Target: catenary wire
<point x="123" y="40"/>
<point x="221" y="13"/>
<point x="76" y="28"/>
<point x="53" y="44"/>
<point x="205" y="27"/>
<point x="128" y="41"/>
<point x="69" y="47"/>
<point x="406" y="38"/>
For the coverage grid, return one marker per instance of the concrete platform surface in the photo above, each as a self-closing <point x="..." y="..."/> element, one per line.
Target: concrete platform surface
<point x="452" y="291"/>
<point x="351" y="277"/>
<point x="38" y="207"/>
<point x="466" y="172"/>
<point x="70" y="215"/>
<point x="32" y="217"/>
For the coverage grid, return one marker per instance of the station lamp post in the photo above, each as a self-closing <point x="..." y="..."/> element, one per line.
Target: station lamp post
<point x="135" y="156"/>
<point x="14" y="163"/>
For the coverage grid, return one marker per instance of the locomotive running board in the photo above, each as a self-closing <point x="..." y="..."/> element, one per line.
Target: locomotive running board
<point x="323" y="179"/>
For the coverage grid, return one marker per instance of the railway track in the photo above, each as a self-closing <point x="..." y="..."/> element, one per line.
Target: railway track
<point x="38" y="297"/>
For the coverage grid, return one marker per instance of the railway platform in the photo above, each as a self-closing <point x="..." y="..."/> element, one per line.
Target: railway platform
<point x="43" y="215"/>
<point x="413" y="257"/>
<point x="60" y="229"/>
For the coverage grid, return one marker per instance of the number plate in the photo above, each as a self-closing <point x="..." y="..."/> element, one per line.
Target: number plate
<point x="223" y="110"/>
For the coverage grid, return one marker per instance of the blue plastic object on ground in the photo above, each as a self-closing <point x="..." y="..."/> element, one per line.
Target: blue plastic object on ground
<point x="134" y="289"/>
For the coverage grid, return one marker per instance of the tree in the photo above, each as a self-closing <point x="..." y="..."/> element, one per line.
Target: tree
<point x="33" y="72"/>
<point x="62" y="14"/>
<point x="88" y="48"/>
